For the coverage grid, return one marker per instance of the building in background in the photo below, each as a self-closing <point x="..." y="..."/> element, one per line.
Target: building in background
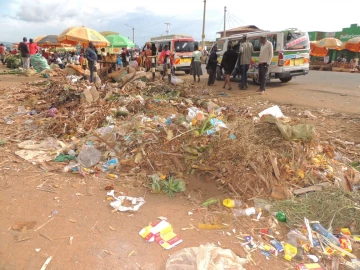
<point x="344" y="36"/>
<point x="239" y="30"/>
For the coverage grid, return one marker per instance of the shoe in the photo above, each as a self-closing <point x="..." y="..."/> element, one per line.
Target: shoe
<point x="199" y="79"/>
<point x="242" y="88"/>
<point x="230" y="88"/>
<point x="224" y="86"/>
<point x="262" y="92"/>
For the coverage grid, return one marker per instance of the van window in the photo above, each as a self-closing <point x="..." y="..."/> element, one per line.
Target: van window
<point x="162" y="45"/>
<point x="296" y="41"/>
<point x="273" y="40"/>
<point x="256" y="43"/>
<point x="220" y="44"/>
<point x="184" y="46"/>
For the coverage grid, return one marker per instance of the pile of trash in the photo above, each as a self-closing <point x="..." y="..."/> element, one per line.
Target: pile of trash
<point x="154" y="126"/>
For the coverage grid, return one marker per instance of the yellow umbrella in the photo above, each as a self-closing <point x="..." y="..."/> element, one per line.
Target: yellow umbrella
<point x="82" y="35"/>
<point x="329" y="43"/>
<point x="107" y="33"/>
<point x="353" y="44"/>
<point x="317" y="51"/>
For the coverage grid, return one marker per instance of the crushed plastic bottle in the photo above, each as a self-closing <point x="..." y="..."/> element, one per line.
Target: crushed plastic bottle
<point x="246" y="212"/>
<point x="321" y="230"/>
<point x="295" y="238"/>
<point x="89" y="156"/>
<point x="230" y="203"/>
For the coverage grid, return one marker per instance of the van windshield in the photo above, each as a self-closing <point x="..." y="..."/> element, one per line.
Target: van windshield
<point x="296" y="41"/>
<point x="184" y="46"/>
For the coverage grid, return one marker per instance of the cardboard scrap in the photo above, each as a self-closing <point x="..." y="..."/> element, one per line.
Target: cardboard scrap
<point x="162" y="233"/>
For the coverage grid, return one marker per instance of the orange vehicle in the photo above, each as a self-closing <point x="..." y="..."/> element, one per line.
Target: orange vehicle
<point x="181" y="48"/>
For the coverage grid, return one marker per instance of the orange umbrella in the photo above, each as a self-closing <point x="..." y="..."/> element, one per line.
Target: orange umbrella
<point x="353" y="44"/>
<point x="82" y="35"/>
<point x="317" y="51"/>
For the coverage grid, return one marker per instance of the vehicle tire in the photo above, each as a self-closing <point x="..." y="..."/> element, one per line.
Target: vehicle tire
<point x="256" y="81"/>
<point x="187" y="72"/>
<point x="219" y="76"/>
<point x="285" y="80"/>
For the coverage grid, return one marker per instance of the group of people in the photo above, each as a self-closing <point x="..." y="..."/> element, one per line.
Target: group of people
<point x="27" y="49"/>
<point x="242" y="60"/>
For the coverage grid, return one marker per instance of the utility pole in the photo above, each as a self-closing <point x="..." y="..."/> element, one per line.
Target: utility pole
<point x="203" y="28"/>
<point x="133" y="32"/>
<point x="168" y="28"/>
<point x="224" y="22"/>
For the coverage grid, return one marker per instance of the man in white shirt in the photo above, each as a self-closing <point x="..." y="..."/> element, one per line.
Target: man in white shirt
<point x="265" y="58"/>
<point x="246" y="52"/>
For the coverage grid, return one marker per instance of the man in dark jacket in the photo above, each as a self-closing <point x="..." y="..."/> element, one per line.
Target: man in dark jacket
<point x="91" y="56"/>
<point x="25" y="53"/>
<point x="211" y="66"/>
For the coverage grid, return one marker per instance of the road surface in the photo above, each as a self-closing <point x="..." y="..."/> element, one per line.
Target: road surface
<point x="339" y="91"/>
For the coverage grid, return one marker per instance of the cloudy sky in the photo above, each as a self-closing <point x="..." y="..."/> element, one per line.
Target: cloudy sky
<point x="19" y="18"/>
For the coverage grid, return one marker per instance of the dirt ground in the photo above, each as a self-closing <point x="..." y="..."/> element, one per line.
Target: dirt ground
<point x="105" y="240"/>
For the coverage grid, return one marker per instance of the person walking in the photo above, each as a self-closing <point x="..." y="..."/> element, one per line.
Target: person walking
<point x="211" y="66"/>
<point x="91" y="56"/>
<point x="2" y="53"/>
<point x="265" y="58"/>
<point x="25" y="53"/>
<point x="196" y="63"/>
<point x="246" y="52"/>
<point x="228" y="63"/>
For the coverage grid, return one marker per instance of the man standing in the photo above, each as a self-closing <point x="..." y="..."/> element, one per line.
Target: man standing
<point x="211" y="66"/>
<point x="246" y="52"/>
<point x="25" y="53"/>
<point x="265" y="58"/>
<point x="91" y="56"/>
<point x="2" y="53"/>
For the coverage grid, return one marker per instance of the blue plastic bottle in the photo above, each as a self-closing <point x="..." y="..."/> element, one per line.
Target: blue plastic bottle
<point x="321" y="230"/>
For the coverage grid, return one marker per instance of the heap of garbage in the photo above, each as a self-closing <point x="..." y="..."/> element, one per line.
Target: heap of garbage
<point x="154" y="126"/>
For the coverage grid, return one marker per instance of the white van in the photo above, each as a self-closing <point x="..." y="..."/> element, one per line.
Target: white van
<point x="291" y="53"/>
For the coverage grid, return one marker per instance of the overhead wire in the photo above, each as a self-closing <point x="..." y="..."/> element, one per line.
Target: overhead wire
<point x="192" y="22"/>
<point x="159" y="22"/>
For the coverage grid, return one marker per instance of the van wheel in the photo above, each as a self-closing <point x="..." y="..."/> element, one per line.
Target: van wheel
<point x="285" y="80"/>
<point x="256" y="81"/>
<point x="187" y="72"/>
<point x="219" y="77"/>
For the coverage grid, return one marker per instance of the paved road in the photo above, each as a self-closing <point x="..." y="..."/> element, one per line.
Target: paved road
<point x="339" y="91"/>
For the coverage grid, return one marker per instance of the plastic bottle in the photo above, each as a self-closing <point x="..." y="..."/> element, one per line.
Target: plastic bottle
<point x="263" y="204"/>
<point x="230" y="203"/>
<point x="296" y="238"/>
<point x="246" y="212"/>
<point x="289" y="252"/>
<point x="317" y="227"/>
<point x="280" y="216"/>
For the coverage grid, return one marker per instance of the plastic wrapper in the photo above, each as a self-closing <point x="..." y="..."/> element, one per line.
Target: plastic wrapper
<point x="207" y="256"/>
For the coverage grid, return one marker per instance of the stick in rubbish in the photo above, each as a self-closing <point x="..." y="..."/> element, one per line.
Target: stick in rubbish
<point x="46" y="263"/>
<point x="44" y="224"/>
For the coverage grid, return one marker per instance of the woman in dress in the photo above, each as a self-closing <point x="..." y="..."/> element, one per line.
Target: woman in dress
<point x="228" y="63"/>
<point x="196" y="63"/>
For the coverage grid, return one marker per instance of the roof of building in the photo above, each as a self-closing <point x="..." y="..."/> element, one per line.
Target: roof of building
<point x="246" y="28"/>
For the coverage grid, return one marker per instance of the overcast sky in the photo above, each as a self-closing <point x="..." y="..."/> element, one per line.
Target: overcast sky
<point x="20" y="18"/>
